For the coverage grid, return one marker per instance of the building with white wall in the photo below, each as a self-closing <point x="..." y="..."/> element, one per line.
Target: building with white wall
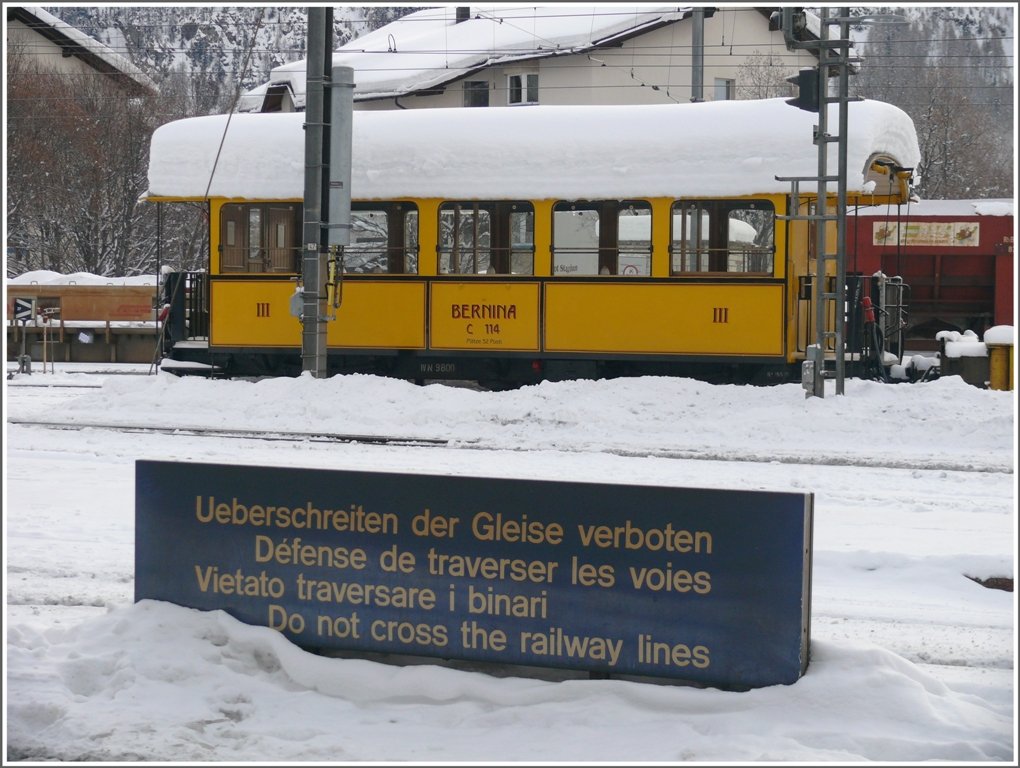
<point x="49" y="44"/>
<point x="507" y="56"/>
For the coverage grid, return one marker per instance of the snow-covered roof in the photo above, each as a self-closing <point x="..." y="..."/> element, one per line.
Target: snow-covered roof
<point x="706" y="148"/>
<point x="430" y="47"/>
<point x="996" y="207"/>
<point x="113" y="60"/>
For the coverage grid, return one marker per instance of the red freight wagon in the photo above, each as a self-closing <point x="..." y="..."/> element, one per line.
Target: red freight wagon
<point x="956" y="256"/>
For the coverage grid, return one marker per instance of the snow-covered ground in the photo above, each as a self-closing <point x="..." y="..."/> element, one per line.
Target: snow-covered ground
<point x="911" y="660"/>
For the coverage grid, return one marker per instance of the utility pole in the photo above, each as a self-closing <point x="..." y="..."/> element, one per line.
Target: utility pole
<point x="316" y="199"/>
<point x="813" y="95"/>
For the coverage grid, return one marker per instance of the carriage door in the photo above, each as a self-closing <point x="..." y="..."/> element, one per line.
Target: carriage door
<point x="233" y="238"/>
<point x="281" y="240"/>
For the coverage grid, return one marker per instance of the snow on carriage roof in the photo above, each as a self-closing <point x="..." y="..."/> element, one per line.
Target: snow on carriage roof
<point x="430" y="47"/>
<point x="707" y="148"/>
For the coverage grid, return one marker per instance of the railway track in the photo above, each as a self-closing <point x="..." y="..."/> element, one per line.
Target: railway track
<point x="696" y="454"/>
<point x="246" y="434"/>
<point x="61" y="385"/>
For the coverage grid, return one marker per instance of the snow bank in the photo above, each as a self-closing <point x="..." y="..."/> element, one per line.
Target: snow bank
<point x="154" y="681"/>
<point x="911" y="660"/>
<point x="645" y="413"/>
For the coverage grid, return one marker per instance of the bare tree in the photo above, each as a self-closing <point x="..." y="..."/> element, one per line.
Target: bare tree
<point x="77" y="154"/>
<point x="947" y="77"/>
<point x="763" y="76"/>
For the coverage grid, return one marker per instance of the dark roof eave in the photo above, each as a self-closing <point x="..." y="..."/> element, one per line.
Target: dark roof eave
<point x="617" y="39"/>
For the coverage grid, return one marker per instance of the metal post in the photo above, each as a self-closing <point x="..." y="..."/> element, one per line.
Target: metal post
<point x="832" y="52"/>
<point x="844" y="95"/>
<point x="821" y="140"/>
<point x="698" y="56"/>
<point x="25" y="360"/>
<point x="316" y="198"/>
<point x="341" y="140"/>
<point x="160" y="352"/>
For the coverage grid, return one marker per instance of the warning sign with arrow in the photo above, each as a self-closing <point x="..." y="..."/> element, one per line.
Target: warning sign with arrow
<point x="23" y="309"/>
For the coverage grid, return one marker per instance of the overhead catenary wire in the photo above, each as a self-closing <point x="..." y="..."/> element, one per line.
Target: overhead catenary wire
<point x="538" y="49"/>
<point x="509" y="17"/>
<point x="237" y="96"/>
<point x="634" y="52"/>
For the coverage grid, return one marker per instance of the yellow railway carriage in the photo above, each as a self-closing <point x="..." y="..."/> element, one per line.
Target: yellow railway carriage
<point x="520" y="244"/>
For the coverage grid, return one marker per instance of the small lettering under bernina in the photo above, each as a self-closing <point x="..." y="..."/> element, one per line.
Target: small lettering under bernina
<point x="483" y="311"/>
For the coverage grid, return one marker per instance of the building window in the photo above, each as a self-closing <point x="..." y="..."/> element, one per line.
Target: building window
<point x="476" y="93"/>
<point x="522" y="89"/>
<point x="725" y="89"/>
<point x="734" y="236"/>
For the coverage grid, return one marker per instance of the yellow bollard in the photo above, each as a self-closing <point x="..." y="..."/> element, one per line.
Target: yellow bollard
<point x="1000" y="366"/>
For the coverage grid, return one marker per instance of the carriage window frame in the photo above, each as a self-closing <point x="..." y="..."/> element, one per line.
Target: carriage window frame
<point x="605" y="253"/>
<point x="719" y="250"/>
<point x="267" y="222"/>
<point x="497" y="237"/>
<point x="395" y="250"/>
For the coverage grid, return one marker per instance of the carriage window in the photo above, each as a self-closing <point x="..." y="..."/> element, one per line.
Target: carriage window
<point x="604" y="237"/>
<point x="384" y="239"/>
<point x="477" y="238"/>
<point x="260" y="237"/>
<point x="256" y="256"/>
<point x="733" y="236"/>
<point x="634" y="229"/>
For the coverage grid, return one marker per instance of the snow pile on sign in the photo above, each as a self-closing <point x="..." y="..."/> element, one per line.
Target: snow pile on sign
<point x="707" y="148"/>
<point x="48" y="277"/>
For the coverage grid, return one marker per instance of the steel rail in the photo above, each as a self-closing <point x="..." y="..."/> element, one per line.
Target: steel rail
<point x="982" y="466"/>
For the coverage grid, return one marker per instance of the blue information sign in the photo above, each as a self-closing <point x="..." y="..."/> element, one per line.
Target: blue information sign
<point x="22" y="309"/>
<point x="705" y="585"/>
